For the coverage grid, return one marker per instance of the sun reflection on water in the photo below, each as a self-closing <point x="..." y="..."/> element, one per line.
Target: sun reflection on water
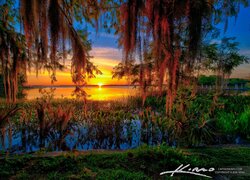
<point x="100" y="93"/>
<point x="100" y="85"/>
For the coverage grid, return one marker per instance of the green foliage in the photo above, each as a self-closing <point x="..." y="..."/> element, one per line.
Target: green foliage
<point x="211" y="80"/>
<point x="156" y="103"/>
<point x="226" y="122"/>
<point x="206" y="80"/>
<point x="202" y="119"/>
<point x="195" y="121"/>
<point x="141" y="163"/>
<point x="236" y="124"/>
<point x="234" y="104"/>
<point x="244" y="120"/>
<point x="233" y="81"/>
<point x="223" y="57"/>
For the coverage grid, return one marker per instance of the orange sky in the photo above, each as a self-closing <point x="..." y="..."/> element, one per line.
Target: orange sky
<point x="104" y="58"/>
<point x="64" y="78"/>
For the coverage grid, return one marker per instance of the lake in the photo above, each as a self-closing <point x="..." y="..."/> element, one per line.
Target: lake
<point x="103" y="93"/>
<point x="126" y="134"/>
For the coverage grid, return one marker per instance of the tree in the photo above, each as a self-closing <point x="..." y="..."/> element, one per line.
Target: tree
<point x="141" y="74"/>
<point x="222" y="58"/>
<point x="57" y="19"/>
<point x="12" y="50"/>
<point x="48" y="36"/>
<point x="173" y="27"/>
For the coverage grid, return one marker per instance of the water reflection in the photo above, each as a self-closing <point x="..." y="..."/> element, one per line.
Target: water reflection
<point x="100" y="93"/>
<point x="85" y="135"/>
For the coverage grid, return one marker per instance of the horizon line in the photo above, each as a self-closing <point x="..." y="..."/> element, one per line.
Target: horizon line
<point x="63" y="85"/>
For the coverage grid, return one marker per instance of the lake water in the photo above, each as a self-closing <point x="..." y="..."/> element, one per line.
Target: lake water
<point x="94" y="92"/>
<point x="84" y="135"/>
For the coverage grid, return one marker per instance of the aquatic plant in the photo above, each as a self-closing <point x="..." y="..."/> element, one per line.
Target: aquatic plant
<point x="63" y="125"/>
<point x="5" y="115"/>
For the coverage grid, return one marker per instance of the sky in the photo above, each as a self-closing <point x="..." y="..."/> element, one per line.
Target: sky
<point x="240" y="28"/>
<point x="106" y="54"/>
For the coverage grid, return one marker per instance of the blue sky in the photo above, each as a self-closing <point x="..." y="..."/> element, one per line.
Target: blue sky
<point x="240" y="28"/>
<point x="107" y="54"/>
<point x="105" y="45"/>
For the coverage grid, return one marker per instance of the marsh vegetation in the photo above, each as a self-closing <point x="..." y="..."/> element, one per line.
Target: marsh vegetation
<point x="54" y="125"/>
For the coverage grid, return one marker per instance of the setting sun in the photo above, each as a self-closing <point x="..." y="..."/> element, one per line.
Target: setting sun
<point x="100" y="85"/>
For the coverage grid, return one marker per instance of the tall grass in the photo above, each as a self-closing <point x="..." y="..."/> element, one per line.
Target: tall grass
<point x="195" y="121"/>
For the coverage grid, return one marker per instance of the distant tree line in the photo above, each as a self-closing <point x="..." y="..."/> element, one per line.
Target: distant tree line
<point x="211" y="80"/>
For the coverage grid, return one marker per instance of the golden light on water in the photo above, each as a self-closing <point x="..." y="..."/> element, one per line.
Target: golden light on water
<point x="94" y="93"/>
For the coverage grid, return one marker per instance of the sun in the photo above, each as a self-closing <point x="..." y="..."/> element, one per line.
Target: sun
<point x="100" y="84"/>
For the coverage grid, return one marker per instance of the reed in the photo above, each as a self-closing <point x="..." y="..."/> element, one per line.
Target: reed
<point x="196" y="121"/>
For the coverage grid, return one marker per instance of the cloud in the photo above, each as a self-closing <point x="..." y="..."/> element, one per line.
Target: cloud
<point x="242" y="71"/>
<point x="245" y="52"/>
<point x="107" y="35"/>
<point x="106" y="53"/>
<point x="215" y="41"/>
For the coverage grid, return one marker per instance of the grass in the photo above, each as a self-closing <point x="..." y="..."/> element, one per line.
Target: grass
<point x="194" y="121"/>
<point x="141" y="163"/>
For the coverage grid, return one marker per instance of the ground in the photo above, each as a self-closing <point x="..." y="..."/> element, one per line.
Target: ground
<point x="141" y="163"/>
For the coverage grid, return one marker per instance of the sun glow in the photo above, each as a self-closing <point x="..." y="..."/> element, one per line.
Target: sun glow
<point x="65" y="78"/>
<point x="100" y="85"/>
